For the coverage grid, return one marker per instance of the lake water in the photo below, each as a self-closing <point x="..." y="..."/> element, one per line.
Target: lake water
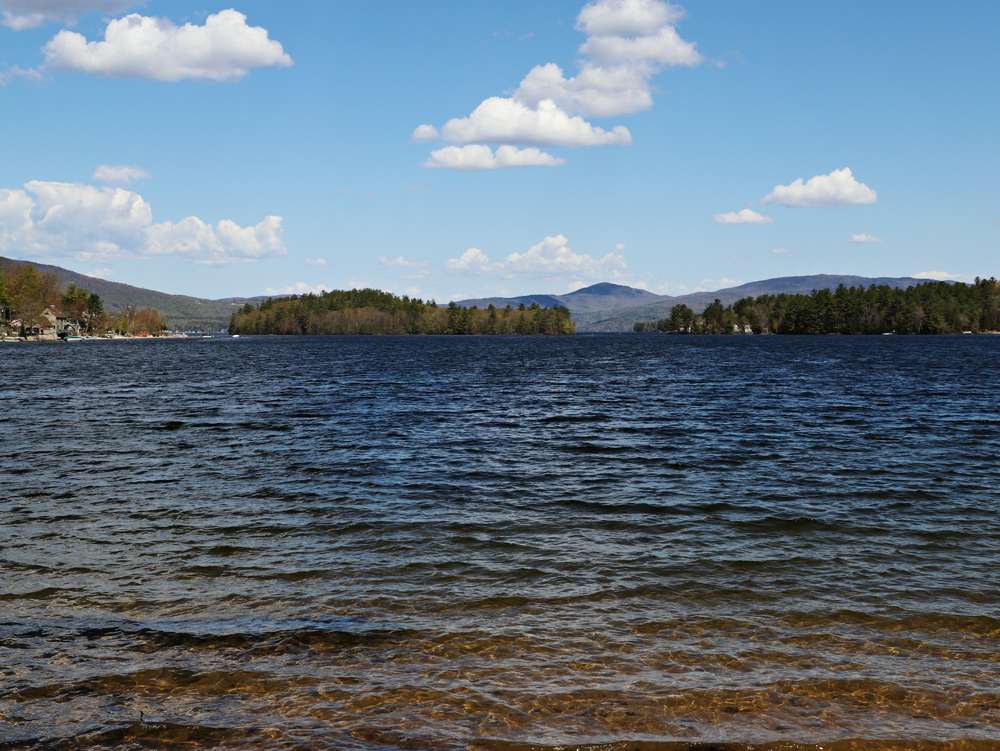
<point x="501" y="543"/>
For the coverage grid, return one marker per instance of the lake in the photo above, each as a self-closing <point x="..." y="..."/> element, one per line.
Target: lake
<point x="501" y="543"/>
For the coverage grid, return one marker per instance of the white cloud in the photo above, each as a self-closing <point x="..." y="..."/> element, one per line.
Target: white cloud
<point x="595" y="91"/>
<point x="400" y="261"/>
<point x="663" y="46"/>
<point x="123" y="174"/>
<point x="672" y="288"/>
<point x="72" y="220"/>
<point x="479" y="156"/>
<point x="424" y="134"/>
<point x="299" y="288"/>
<point x="316" y="262"/>
<point x="418" y="188"/>
<point x="499" y="120"/>
<point x="413" y="291"/>
<point x="710" y="285"/>
<point x="629" y="41"/>
<point x="938" y="275"/>
<point x="6" y="76"/>
<point x="574" y="286"/>
<point x="224" y="49"/>
<point x="779" y="251"/>
<point x="345" y="190"/>
<point x="996" y="223"/>
<point x="627" y="17"/>
<point x="551" y="258"/>
<point x="472" y="261"/>
<point x="100" y="273"/>
<point x="864" y="239"/>
<point x="27" y="14"/>
<point x="746" y="216"/>
<point x="839" y="188"/>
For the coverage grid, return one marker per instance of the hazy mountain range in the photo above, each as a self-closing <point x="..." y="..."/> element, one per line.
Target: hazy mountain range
<point x="601" y="307"/>
<point x="614" y="307"/>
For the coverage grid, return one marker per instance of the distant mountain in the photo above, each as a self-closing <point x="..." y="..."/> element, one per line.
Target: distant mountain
<point x="614" y="307"/>
<point x="598" y="297"/>
<point x="182" y="312"/>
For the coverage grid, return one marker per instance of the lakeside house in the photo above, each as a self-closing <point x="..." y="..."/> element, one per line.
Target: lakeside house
<point x="52" y="323"/>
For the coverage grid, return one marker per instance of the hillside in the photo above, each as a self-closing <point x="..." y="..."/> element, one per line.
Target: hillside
<point x="614" y="307"/>
<point x="598" y="297"/>
<point x="182" y="312"/>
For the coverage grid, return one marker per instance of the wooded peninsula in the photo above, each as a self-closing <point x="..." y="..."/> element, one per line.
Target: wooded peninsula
<point x="370" y="311"/>
<point x="932" y="308"/>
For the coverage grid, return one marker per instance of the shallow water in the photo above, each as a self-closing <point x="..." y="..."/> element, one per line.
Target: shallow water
<point x="501" y="543"/>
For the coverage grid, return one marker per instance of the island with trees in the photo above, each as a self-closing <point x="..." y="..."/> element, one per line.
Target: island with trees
<point x="370" y="311"/>
<point x="37" y="306"/>
<point x="931" y="308"/>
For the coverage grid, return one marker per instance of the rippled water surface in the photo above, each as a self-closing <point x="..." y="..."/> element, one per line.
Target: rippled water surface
<point x="442" y="543"/>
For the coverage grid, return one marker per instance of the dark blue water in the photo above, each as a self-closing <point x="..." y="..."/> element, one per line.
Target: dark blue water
<point x="441" y="543"/>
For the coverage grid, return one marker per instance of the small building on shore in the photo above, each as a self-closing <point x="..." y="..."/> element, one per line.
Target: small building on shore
<point x="52" y="324"/>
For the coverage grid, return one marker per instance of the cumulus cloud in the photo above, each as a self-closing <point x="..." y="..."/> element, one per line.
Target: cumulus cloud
<point x="551" y="258"/>
<point x="497" y="120"/>
<point x="479" y="156"/>
<point x="224" y="49"/>
<point x="100" y="273"/>
<point x="938" y="275"/>
<point x="89" y="224"/>
<point x="425" y="134"/>
<point x="746" y="216"/>
<point x="315" y="262"/>
<point x="711" y="285"/>
<point x="839" y="188"/>
<point x="865" y="239"/>
<point x="27" y="14"/>
<point x="628" y="42"/>
<point x="299" y="288"/>
<point x="472" y="261"/>
<point x="123" y="174"/>
<point x="779" y="251"/>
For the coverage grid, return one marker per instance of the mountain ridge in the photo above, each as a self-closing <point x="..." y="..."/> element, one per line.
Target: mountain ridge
<point x="616" y="307"/>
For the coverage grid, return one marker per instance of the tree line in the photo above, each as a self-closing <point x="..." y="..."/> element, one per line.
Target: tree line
<point x="25" y="293"/>
<point x="371" y="311"/>
<point x="930" y="308"/>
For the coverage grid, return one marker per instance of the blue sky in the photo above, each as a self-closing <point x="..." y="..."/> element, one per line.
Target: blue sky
<point x="281" y="151"/>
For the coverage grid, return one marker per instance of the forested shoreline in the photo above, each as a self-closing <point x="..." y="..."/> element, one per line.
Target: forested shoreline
<point x="373" y="312"/>
<point x="931" y="308"/>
